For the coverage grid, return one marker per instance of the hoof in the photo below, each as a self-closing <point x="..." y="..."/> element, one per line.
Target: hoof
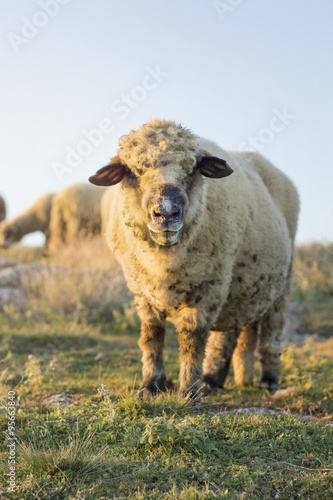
<point x="144" y="393"/>
<point x="169" y="385"/>
<point x="269" y="381"/>
<point x="209" y="385"/>
<point x="194" y="394"/>
<point x="208" y="389"/>
<point x="194" y="399"/>
<point x="147" y="391"/>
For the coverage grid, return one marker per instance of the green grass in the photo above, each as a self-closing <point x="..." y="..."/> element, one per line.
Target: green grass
<point x="122" y="447"/>
<point x="108" y="444"/>
<point x="232" y="456"/>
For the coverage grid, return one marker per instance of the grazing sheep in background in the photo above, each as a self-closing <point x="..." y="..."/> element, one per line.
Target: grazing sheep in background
<point x="36" y="218"/>
<point x="76" y="213"/>
<point x="2" y="209"/>
<point x="203" y="252"/>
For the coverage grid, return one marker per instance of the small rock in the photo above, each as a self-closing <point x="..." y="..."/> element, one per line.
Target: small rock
<point x="264" y="411"/>
<point x="16" y="276"/>
<point x="16" y="296"/>
<point x="58" y="399"/>
<point x="255" y="410"/>
<point x="99" y="357"/>
<point x="285" y="392"/>
<point x="6" y="262"/>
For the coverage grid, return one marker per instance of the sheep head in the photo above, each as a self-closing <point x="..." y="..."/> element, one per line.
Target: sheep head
<point x="161" y="165"/>
<point x="8" y="234"/>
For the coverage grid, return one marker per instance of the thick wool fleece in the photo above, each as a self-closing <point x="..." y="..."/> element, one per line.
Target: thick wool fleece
<point x="229" y="271"/>
<point x="168" y="145"/>
<point x="106" y="201"/>
<point x="76" y="213"/>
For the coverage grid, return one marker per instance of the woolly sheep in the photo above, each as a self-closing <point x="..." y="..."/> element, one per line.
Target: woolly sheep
<point x="208" y="254"/>
<point x="2" y="209"/>
<point x="105" y="210"/>
<point x="36" y="218"/>
<point x="76" y="213"/>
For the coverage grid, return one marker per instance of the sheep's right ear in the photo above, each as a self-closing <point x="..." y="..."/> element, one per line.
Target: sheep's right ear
<point x="109" y="175"/>
<point x="213" y="167"/>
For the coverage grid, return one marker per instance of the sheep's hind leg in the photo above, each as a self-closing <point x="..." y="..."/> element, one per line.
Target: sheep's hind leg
<point x="271" y="328"/>
<point x="152" y="342"/>
<point x="243" y="358"/>
<point x="58" y="229"/>
<point x="219" y="351"/>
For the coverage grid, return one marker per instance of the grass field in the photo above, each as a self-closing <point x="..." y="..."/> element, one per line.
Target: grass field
<point x="77" y="340"/>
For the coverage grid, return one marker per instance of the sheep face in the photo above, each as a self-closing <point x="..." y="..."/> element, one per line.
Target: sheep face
<point x="161" y="166"/>
<point x="164" y="205"/>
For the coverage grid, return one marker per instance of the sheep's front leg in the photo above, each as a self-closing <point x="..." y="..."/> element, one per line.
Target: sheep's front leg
<point x="192" y="343"/>
<point x="152" y="343"/>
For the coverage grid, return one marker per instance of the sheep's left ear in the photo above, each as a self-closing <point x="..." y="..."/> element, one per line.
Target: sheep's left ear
<point x="211" y="166"/>
<point x="109" y="175"/>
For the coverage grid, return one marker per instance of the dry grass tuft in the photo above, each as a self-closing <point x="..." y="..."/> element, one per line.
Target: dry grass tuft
<point x="84" y="278"/>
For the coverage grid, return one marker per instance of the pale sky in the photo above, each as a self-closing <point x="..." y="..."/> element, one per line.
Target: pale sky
<point x="243" y="73"/>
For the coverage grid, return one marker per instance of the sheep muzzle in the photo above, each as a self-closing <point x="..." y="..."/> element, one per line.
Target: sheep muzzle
<point x="165" y="211"/>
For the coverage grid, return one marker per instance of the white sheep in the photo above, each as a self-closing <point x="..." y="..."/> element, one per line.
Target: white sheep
<point x="207" y="250"/>
<point x="35" y="218"/>
<point x="105" y="210"/>
<point x="2" y="209"/>
<point x="76" y="213"/>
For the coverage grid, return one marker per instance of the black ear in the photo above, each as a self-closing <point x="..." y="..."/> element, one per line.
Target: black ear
<point x="211" y="166"/>
<point x="109" y="175"/>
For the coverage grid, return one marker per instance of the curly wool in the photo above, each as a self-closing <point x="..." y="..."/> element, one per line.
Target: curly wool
<point x="168" y="144"/>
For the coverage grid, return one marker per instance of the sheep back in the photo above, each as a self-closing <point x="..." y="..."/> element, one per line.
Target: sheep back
<point x="76" y="213"/>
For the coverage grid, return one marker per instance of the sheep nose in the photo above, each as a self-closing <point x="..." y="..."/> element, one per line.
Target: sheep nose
<point x="166" y="212"/>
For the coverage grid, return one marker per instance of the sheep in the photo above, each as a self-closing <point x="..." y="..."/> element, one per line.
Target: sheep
<point x="72" y="213"/>
<point x="2" y="209"/>
<point x="105" y="210"/>
<point x="204" y="249"/>
<point x="76" y="213"/>
<point x="35" y="218"/>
